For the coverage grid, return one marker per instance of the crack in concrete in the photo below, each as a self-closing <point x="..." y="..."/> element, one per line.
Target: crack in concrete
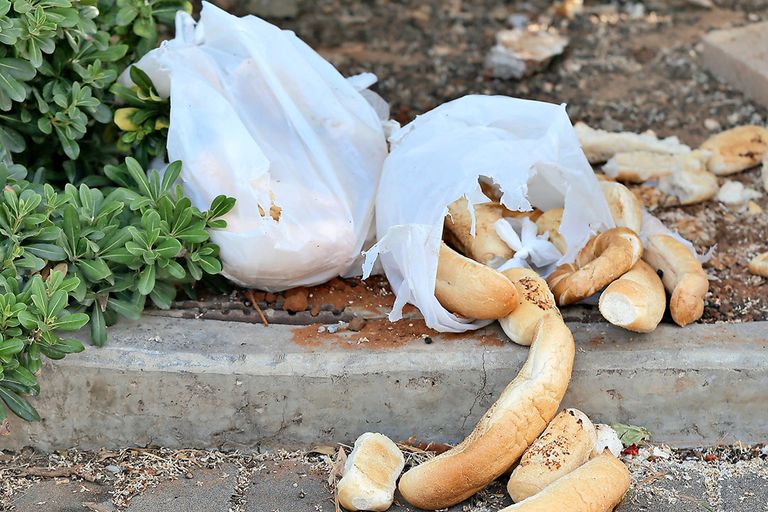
<point x="479" y="394"/>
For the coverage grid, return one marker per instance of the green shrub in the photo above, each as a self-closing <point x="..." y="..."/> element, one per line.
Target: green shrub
<point x="83" y="239"/>
<point x="58" y="59"/>
<point x="88" y="253"/>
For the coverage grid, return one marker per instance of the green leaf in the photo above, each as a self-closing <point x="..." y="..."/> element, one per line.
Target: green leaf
<point x="71" y="322"/>
<point x="11" y="347"/>
<point x="20" y="376"/>
<point x="126" y="15"/>
<point x="98" y="326"/>
<point x="28" y="320"/>
<point x="221" y="205"/>
<point x="48" y="252"/>
<point x="18" y="405"/>
<point x="67" y="346"/>
<point x="631" y="434"/>
<point x="94" y="270"/>
<point x="163" y="294"/>
<point x="168" y="248"/>
<point x="146" y="280"/>
<point x="210" y="265"/>
<point x="127" y="309"/>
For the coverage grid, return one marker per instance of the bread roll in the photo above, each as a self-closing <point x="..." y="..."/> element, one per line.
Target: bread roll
<point x="370" y="474"/>
<point x="520" y="414"/>
<point x="692" y="183"/>
<point x="625" y="208"/>
<point x="600" y="145"/>
<point x="597" y="486"/>
<point x="534" y="301"/>
<point x="486" y="246"/>
<point x="605" y="257"/>
<point x="758" y="266"/>
<point x="549" y="222"/>
<point x="736" y="149"/>
<point x="470" y="289"/>
<point x="636" y="301"/>
<point x="682" y="276"/>
<point x="566" y="444"/>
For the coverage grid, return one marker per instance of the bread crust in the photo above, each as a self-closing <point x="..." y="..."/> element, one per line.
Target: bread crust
<point x="471" y="289"/>
<point x="534" y="300"/>
<point x="682" y="276"/>
<point x="370" y="474"/>
<point x="486" y="246"/>
<point x="636" y="301"/>
<point x="736" y="149"/>
<point x="597" y="486"/>
<point x="520" y="414"/>
<point x="640" y="166"/>
<point x="566" y="444"/>
<point x="549" y="222"/>
<point x="759" y="265"/>
<point x="625" y="208"/>
<point x="606" y="257"/>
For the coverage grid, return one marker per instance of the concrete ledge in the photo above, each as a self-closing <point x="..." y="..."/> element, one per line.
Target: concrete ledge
<point x="205" y="383"/>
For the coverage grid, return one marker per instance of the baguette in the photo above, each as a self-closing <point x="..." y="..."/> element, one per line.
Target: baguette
<point x="520" y="414"/>
<point x="485" y="246"/>
<point x="470" y="289"/>
<point x="736" y="149"/>
<point x="605" y="257"/>
<point x="600" y="145"/>
<point x="597" y="486"/>
<point x="625" y="208"/>
<point x="370" y="474"/>
<point x="549" y="222"/>
<point x="534" y="301"/>
<point x="566" y="444"/>
<point x="636" y="301"/>
<point x="758" y="266"/>
<point x="682" y="276"/>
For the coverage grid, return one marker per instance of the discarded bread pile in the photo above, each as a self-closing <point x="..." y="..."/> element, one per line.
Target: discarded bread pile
<point x="562" y="459"/>
<point x="686" y="176"/>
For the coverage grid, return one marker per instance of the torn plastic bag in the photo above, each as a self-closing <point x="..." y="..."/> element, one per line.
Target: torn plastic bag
<point x="258" y="115"/>
<point x="527" y="148"/>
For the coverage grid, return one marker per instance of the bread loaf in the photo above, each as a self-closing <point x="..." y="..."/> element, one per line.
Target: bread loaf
<point x="605" y="258"/>
<point x="534" y="301"/>
<point x="485" y="246"/>
<point x="566" y="444"/>
<point x="736" y="149"/>
<point x="682" y="276"/>
<point x="549" y="222"/>
<point x="370" y="474"/>
<point x="597" y="486"/>
<point x="636" y="301"/>
<point x="625" y="208"/>
<point x="520" y="414"/>
<point x="470" y="289"/>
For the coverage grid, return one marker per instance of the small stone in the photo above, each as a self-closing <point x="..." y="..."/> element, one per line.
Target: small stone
<point x="356" y="324"/>
<point x="188" y="476"/>
<point x="114" y="469"/>
<point x="712" y="125"/>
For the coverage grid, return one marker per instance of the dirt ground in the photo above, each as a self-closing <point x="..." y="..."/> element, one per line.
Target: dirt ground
<point x="629" y="66"/>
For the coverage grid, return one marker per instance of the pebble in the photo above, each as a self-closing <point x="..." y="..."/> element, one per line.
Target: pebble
<point x="356" y="324"/>
<point x="711" y="125"/>
<point x="114" y="469"/>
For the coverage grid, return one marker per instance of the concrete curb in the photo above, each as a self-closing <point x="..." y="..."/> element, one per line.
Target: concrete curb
<point x="205" y="383"/>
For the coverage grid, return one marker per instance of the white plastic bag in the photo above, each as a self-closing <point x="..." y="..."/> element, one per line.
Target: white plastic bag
<point x="258" y="115"/>
<point x="528" y="148"/>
